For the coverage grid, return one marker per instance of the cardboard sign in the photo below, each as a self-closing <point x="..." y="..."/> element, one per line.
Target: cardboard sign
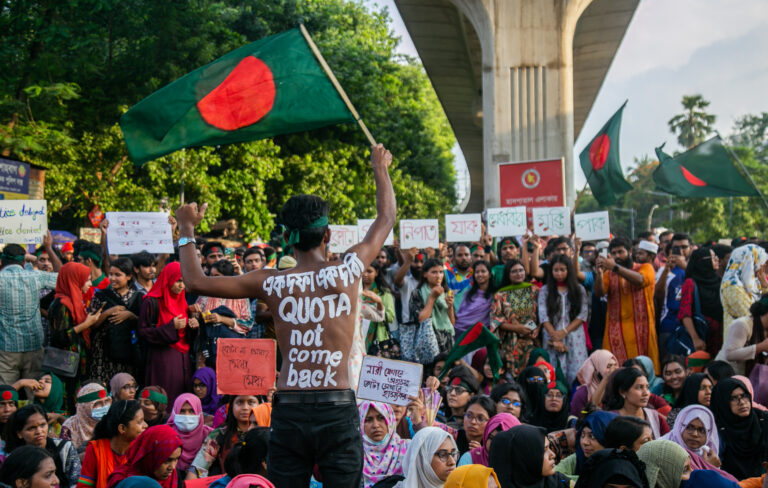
<point x="23" y="221"/>
<point x="362" y="229"/>
<point x="463" y="228"/>
<point x="551" y="221"/>
<point x="245" y="366"/>
<point x="131" y="232"/>
<point x="592" y="226"/>
<point x="388" y="381"/>
<point x="510" y="221"/>
<point x="342" y="237"/>
<point x="419" y="233"/>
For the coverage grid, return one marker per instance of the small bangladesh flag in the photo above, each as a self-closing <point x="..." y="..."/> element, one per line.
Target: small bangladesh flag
<point x="706" y="170"/>
<point x="476" y="337"/>
<point x="601" y="164"/>
<point x="270" y="87"/>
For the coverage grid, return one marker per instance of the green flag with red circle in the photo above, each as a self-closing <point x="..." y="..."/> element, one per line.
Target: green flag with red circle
<point x="270" y="87"/>
<point x="601" y="163"/>
<point x="474" y="338"/>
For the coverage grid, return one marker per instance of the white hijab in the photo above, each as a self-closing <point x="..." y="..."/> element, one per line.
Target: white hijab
<point x="417" y="463"/>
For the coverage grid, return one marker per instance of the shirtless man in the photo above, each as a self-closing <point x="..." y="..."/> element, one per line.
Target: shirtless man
<point x="314" y="416"/>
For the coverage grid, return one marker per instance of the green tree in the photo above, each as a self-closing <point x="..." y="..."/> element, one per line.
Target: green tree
<point x="694" y="125"/>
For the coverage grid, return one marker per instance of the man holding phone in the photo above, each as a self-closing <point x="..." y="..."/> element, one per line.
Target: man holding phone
<point x="669" y="286"/>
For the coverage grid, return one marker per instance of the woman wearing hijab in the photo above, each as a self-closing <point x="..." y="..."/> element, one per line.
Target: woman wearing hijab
<point x="538" y="354"/>
<point x="92" y="404"/>
<point x="534" y="383"/>
<point x="522" y="458"/>
<point x="123" y="386"/>
<point x="383" y="450"/>
<point x="653" y="380"/>
<point x="697" y="390"/>
<point x="743" y="430"/>
<point x="250" y="481"/>
<point x="154" y="402"/>
<point x="552" y="413"/>
<point x="613" y="467"/>
<point x="598" y="365"/>
<point x="164" y="326"/>
<point x="702" y="280"/>
<point x="743" y="282"/>
<point x="498" y="423"/>
<point x="666" y="463"/>
<point x="748" y="384"/>
<point x="472" y="476"/>
<point x="188" y="422"/>
<point x="429" y="460"/>
<point x="204" y="387"/>
<point x="155" y="454"/>
<point x="589" y="440"/>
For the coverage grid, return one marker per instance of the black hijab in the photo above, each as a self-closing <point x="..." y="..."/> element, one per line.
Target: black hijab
<point x="534" y="392"/>
<point x="552" y="421"/>
<point x="612" y="466"/>
<point x="517" y="455"/>
<point x="700" y="270"/>
<point x="689" y="393"/>
<point x="743" y="440"/>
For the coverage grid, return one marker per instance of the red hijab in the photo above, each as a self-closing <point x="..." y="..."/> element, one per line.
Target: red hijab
<point x="171" y="304"/>
<point x="69" y="289"/>
<point x="151" y="449"/>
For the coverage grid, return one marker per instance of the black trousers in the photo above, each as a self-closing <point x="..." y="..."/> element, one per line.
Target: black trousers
<point x="315" y="428"/>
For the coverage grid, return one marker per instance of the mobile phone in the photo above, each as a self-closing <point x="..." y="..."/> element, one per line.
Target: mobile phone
<point x="676" y="251"/>
<point x="531" y="325"/>
<point x="604" y="252"/>
<point x="229" y="252"/>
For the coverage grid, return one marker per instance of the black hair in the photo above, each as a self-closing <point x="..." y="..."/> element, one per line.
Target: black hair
<point x="645" y="234"/>
<point x="502" y="389"/>
<point x="721" y="250"/>
<point x="574" y="290"/>
<point x="298" y="213"/>
<point x="13" y="251"/>
<point x="680" y="236"/>
<point x="230" y="423"/>
<point x="81" y="245"/>
<point x="757" y="310"/>
<point x="603" y="468"/>
<point x="620" y="241"/>
<point x="587" y="244"/>
<point x="224" y="267"/>
<point x="381" y="282"/>
<point x="485" y="402"/>
<point x="428" y="264"/>
<point x="622" y="381"/>
<point x="16" y="423"/>
<point x="623" y="431"/>
<point x="719" y="370"/>
<point x="689" y="393"/>
<point x="669" y="359"/>
<point x="248" y="456"/>
<point x="503" y="242"/>
<point x="210" y="244"/>
<point x="120" y="412"/>
<point x="505" y="281"/>
<point x="474" y="288"/>
<point x="665" y="233"/>
<point x="23" y="463"/>
<point x="125" y="265"/>
<point x="635" y="363"/>
<point x="143" y="259"/>
<point x="252" y="250"/>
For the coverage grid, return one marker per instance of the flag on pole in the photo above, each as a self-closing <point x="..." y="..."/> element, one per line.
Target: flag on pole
<point x="270" y="87"/>
<point x="476" y="337"/>
<point x="706" y="170"/>
<point x="601" y="163"/>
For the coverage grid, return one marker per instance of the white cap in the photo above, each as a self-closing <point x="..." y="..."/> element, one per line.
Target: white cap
<point x="648" y="246"/>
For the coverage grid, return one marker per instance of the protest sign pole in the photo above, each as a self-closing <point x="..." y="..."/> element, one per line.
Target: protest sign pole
<point x="181" y="189"/>
<point x="336" y="84"/>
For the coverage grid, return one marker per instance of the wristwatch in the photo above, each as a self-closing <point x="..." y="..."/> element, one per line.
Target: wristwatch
<point x="615" y="266"/>
<point x="183" y="241"/>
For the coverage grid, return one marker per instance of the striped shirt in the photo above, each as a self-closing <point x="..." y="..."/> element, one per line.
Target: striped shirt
<point x="20" y="327"/>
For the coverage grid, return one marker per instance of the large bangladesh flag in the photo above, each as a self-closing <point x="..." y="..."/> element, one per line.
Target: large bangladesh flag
<point x="706" y="170"/>
<point x="601" y="164"/>
<point x="270" y="87"/>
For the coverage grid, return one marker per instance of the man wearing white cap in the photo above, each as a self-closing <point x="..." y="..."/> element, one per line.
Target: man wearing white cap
<point x="646" y="252"/>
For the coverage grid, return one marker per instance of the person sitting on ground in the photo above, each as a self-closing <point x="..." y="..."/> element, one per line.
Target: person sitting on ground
<point x="429" y="460"/>
<point x="154" y="402"/>
<point x="247" y="457"/>
<point x="472" y="476"/>
<point x="498" y="423"/>
<point x="92" y="404"/>
<point x="628" y="394"/>
<point x="123" y="386"/>
<point x="625" y="432"/>
<point x="29" y="467"/>
<point x="155" y="454"/>
<point x="666" y="463"/>
<point x="522" y="457"/>
<point x="590" y="438"/>
<point x="187" y="420"/>
<point x="611" y="468"/>
<point x="384" y="450"/>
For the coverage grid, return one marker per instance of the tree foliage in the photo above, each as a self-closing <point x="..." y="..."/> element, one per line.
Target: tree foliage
<point x="694" y="125"/>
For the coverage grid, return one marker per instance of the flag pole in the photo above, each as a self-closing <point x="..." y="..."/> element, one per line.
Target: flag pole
<point x="336" y="84"/>
<point x="744" y="170"/>
<point x="578" y="198"/>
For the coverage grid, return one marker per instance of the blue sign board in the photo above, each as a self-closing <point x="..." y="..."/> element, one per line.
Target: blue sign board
<point x="14" y="177"/>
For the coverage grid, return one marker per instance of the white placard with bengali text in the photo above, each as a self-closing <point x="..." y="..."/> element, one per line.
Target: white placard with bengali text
<point x="551" y="221"/>
<point x="362" y="228"/>
<point x="463" y="227"/>
<point x="420" y="233"/>
<point x="507" y="221"/>
<point x="23" y="221"/>
<point x="592" y="226"/>
<point x="342" y="237"/>
<point x="132" y="232"/>
<point x="388" y="380"/>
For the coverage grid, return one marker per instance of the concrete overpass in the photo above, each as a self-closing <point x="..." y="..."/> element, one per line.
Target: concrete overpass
<point x="516" y="78"/>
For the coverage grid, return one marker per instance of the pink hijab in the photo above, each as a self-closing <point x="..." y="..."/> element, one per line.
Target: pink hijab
<point x="503" y="421"/>
<point x="384" y="458"/>
<point x="748" y="384"/>
<point x="596" y="362"/>
<point x="190" y="441"/>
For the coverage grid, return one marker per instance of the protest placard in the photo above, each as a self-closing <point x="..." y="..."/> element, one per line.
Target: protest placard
<point x="592" y="226"/>
<point x="245" y="366"/>
<point x="507" y="221"/>
<point x="388" y="380"/>
<point x="551" y="221"/>
<point x="463" y="228"/>
<point x="23" y="221"/>
<point x="131" y="232"/>
<point x="342" y="237"/>
<point x="419" y="233"/>
<point x="362" y="228"/>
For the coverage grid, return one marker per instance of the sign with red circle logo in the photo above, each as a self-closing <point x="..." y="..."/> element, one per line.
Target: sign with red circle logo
<point x="532" y="184"/>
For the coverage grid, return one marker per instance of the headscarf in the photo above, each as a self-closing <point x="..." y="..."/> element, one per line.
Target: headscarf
<point x="156" y="399"/>
<point x="417" y="462"/>
<point x="664" y="463"/>
<point x="54" y="402"/>
<point x="689" y="393"/>
<point x="539" y="352"/>
<point x="534" y="392"/>
<point x="702" y="478"/>
<point x="146" y="453"/>
<point x="263" y="414"/>
<point x="383" y="458"/>
<point x="207" y="376"/>
<point x="748" y="384"/>
<point x="247" y="480"/>
<point x="470" y="476"/>
<point x="81" y="424"/>
<point x="545" y="366"/>
<point x="501" y="421"/>
<point x="653" y="380"/>
<point x="69" y="289"/>
<point x="551" y="421"/>
<point x="612" y="465"/>
<point x="139" y="482"/>
<point x="743" y="438"/>
<point x="698" y="360"/>
<point x="117" y="383"/>
<point x="745" y="260"/>
<point x="170" y="305"/>
<point x="597" y="362"/>
<point x="597" y="421"/>
<point x="517" y="456"/>
<point x="190" y="441"/>
<point x="707" y="281"/>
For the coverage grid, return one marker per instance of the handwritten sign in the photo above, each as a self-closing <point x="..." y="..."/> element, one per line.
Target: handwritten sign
<point x="507" y="221"/>
<point x="131" y="232"/>
<point x="388" y="381"/>
<point x="419" y="233"/>
<point x="551" y="221"/>
<point x="592" y="226"/>
<point x="342" y="237"/>
<point x="23" y="221"/>
<point x="245" y="366"/>
<point x="362" y="229"/>
<point x="463" y="228"/>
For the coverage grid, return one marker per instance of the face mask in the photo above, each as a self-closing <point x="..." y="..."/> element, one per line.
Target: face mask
<point x="186" y="423"/>
<point x="100" y="412"/>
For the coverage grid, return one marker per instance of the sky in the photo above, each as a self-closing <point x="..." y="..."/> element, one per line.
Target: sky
<point x="716" y="48"/>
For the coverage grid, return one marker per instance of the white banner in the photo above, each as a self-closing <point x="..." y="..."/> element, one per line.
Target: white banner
<point x="463" y="228"/>
<point x="131" y="232"/>
<point x="342" y="237"/>
<point x="388" y="380"/>
<point x="419" y="233"/>
<point x="551" y="221"/>
<point x="592" y="226"/>
<point x="362" y="228"/>
<point x="507" y="221"/>
<point x="23" y="221"/>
